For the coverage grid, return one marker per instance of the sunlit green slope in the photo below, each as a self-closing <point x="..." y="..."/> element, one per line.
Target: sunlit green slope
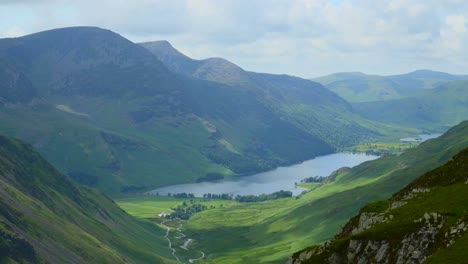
<point x="45" y="217"/>
<point x="426" y="222"/>
<point x="270" y="232"/>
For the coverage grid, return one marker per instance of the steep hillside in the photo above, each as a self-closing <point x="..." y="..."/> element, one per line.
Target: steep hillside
<point x="109" y="114"/>
<point x="305" y="104"/>
<point x="45" y="217"/>
<point x="434" y="109"/>
<point x="272" y="231"/>
<point x="426" y="222"/>
<point x="212" y="69"/>
<point x="360" y="87"/>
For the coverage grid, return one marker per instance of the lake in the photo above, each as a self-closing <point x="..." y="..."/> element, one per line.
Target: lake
<point x="281" y="178"/>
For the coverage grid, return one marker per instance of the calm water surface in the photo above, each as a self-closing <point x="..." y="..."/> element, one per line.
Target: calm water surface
<point x="282" y="178"/>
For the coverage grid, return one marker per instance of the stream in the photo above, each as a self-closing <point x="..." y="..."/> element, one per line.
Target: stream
<point x="180" y="235"/>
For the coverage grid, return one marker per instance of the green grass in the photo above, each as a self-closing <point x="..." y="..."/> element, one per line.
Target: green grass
<point x="432" y="110"/>
<point x="393" y="148"/>
<point x="148" y="206"/>
<point x="456" y="253"/>
<point x="272" y="231"/>
<point x="66" y="222"/>
<point x="446" y="197"/>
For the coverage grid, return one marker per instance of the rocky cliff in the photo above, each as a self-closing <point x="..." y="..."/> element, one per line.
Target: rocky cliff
<point x="426" y="222"/>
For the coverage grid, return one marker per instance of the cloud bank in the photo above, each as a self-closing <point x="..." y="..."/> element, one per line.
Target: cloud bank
<point x="305" y="38"/>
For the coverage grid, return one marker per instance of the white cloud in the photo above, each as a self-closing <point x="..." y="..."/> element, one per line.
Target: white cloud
<point x="457" y="23"/>
<point x="301" y="37"/>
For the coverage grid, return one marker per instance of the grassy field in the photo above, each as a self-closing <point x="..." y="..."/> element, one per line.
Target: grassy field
<point x="393" y="148"/>
<point x="271" y="231"/>
<point x="149" y="206"/>
<point x="235" y="232"/>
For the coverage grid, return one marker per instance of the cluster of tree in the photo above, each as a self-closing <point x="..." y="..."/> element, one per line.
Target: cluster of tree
<point x="182" y="195"/>
<point x="132" y="188"/>
<point x="211" y="177"/>
<point x="263" y="197"/>
<point x="248" y="163"/>
<point x="185" y="210"/>
<point x="223" y="196"/>
<point x="313" y="179"/>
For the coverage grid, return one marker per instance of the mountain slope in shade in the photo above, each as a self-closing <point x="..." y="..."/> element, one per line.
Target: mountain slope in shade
<point x="85" y="61"/>
<point x="425" y="222"/>
<point x="360" y="87"/>
<point x="307" y="105"/>
<point x="45" y="217"/>
<point x="110" y="114"/>
<point x="15" y="87"/>
<point x="212" y="69"/>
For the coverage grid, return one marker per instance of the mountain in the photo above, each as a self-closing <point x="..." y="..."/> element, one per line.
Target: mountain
<point x="301" y="102"/>
<point x="270" y="232"/>
<point x="47" y="218"/>
<point x="108" y="113"/>
<point x="424" y="222"/>
<point x="433" y="109"/>
<point x="212" y="69"/>
<point x="359" y="87"/>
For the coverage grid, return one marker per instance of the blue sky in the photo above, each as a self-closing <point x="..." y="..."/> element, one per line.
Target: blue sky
<point x="306" y="38"/>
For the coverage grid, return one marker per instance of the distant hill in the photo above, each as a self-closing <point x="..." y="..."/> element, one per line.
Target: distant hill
<point x="46" y="218"/>
<point x="424" y="222"/>
<point x="432" y="109"/>
<point x="110" y="114"/>
<point x="360" y="87"/>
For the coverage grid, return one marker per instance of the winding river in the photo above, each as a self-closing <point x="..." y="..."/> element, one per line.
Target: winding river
<point x="282" y="178"/>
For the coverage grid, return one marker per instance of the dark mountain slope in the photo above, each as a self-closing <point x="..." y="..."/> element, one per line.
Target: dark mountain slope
<point x="111" y="115"/>
<point x="86" y="61"/>
<point x="46" y="217"/>
<point x="212" y="69"/>
<point x="15" y="87"/>
<point x="307" y="105"/>
<point x="424" y="222"/>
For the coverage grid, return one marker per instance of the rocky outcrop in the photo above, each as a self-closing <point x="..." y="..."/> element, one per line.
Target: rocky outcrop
<point x="425" y="217"/>
<point x="413" y="248"/>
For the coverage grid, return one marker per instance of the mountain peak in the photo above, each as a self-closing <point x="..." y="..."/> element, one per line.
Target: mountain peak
<point x="163" y="50"/>
<point x="74" y="58"/>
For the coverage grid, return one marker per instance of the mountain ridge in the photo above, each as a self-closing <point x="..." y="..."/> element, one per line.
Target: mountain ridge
<point x="359" y="87"/>
<point x="112" y="115"/>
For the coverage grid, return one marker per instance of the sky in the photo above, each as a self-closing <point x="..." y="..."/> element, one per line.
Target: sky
<point x="306" y="38"/>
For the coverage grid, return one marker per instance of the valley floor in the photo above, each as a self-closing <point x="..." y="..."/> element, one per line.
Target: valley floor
<point x="229" y="229"/>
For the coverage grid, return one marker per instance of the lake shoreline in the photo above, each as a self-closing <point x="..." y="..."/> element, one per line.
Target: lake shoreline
<point x="280" y="178"/>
